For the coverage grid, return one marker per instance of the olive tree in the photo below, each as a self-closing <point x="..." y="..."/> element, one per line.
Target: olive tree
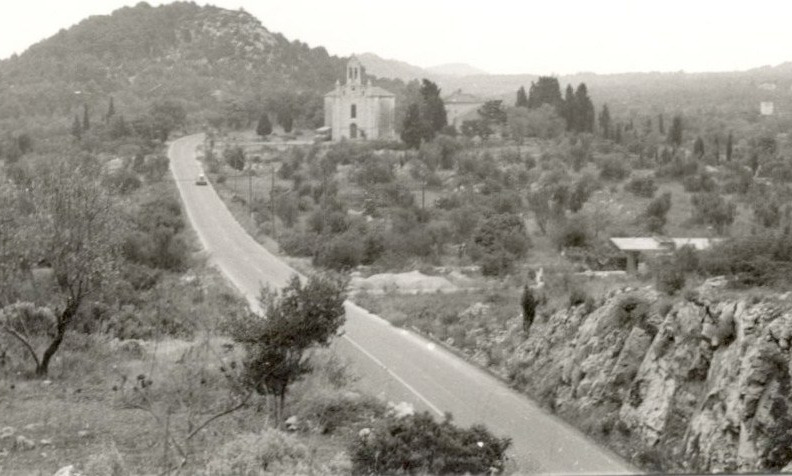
<point x="296" y="319"/>
<point x="68" y="222"/>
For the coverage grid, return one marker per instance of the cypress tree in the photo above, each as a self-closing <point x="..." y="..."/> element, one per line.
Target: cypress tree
<point x="522" y="98"/>
<point x="110" y="110"/>
<point x="432" y="109"/>
<point x="569" y="110"/>
<point x="546" y="91"/>
<point x="605" y="122"/>
<point x="729" y="148"/>
<point x="584" y="110"/>
<point x="698" y="147"/>
<point x="675" y="133"/>
<point x="264" y="126"/>
<point x="86" y="122"/>
<point x="660" y="124"/>
<point x="412" y="127"/>
<point x="76" y="129"/>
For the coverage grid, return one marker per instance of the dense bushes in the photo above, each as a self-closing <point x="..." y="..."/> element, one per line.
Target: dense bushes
<point x="654" y="217"/>
<point x="417" y="444"/>
<point x="614" y="169"/>
<point x="712" y="209"/>
<point x="157" y="242"/>
<point x="757" y="260"/>
<point x="497" y="242"/>
<point x="641" y="187"/>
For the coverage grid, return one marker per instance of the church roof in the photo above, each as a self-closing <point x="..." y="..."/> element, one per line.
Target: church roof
<point x="370" y="91"/>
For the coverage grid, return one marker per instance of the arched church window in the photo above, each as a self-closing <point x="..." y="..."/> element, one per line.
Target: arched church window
<point x="353" y="131"/>
<point x="353" y="111"/>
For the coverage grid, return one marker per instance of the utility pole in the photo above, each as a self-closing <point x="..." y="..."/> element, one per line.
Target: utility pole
<point x="250" y="190"/>
<point x="423" y="195"/>
<point x="272" y="202"/>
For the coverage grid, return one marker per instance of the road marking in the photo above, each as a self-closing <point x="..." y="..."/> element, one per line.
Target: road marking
<point x="396" y="377"/>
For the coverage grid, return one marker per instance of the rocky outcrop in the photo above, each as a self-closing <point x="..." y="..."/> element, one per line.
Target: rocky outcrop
<point x="701" y="382"/>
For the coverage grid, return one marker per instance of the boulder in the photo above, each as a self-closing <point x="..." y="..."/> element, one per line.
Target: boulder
<point x="23" y="443"/>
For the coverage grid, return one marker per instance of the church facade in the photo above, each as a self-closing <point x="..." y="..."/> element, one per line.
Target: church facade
<point x="357" y="110"/>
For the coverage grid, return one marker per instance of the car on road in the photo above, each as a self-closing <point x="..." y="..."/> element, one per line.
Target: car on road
<point x="201" y="180"/>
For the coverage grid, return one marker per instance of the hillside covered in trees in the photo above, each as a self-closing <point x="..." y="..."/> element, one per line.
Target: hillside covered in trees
<point x="219" y="64"/>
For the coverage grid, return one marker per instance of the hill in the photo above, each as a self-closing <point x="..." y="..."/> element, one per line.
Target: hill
<point x="455" y="69"/>
<point x="204" y="57"/>
<point x="389" y="68"/>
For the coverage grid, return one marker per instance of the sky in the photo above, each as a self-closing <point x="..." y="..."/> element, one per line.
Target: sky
<point x="498" y="36"/>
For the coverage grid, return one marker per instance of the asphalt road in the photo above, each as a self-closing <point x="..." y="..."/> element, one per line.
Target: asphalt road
<point x="392" y="362"/>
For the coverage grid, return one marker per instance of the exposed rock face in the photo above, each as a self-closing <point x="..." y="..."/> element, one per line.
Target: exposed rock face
<point x="705" y="384"/>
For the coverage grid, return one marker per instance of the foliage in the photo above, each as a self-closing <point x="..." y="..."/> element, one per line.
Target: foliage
<point x="156" y="241"/>
<point x="235" y="157"/>
<point x="476" y="128"/>
<point x="614" y="169"/>
<point x="675" y="133"/>
<point x="417" y="444"/>
<point x="433" y="113"/>
<point x="529" y="304"/>
<point x="492" y="112"/>
<point x="712" y="209"/>
<point x="641" y="187"/>
<point x="669" y="276"/>
<point x="268" y="452"/>
<point x="572" y="234"/>
<point x="264" y="126"/>
<point x="73" y="226"/>
<point x="546" y="90"/>
<point x="300" y="317"/>
<point x="655" y="214"/>
<point x="412" y="127"/>
<point x="498" y="241"/>
<point x="756" y="260"/>
<point x="542" y="122"/>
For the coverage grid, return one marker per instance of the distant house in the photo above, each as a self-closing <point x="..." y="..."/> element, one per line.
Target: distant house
<point x="766" y="108"/>
<point x="357" y="110"/>
<point x="635" y="248"/>
<point x="768" y="86"/>
<point x="461" y="106"/>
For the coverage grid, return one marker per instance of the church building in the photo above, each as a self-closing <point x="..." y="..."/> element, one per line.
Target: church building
<point x="357" y="110"/>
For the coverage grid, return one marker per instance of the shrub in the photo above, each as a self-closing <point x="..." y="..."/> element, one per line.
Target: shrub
<point x="418" y="444"/>
<point x="572" y="234"/>
<point x="107" y="463"/>
<point x="528" y="303"/>
<point x="713" y="209"/>
<point x="699" y="183"/>
<point x="497" y="242"/>
<point x="338" y="253"/>
<point x="631" y="310"/>
<point x="270" y="451"/>
<point x="654" y="216"/>
<point x="329" y="411"/>
<point x="669" y="276"/>
<point x="298" y="244"/>
<point x="123" y="181"/>
<point x="641" y="187"/>
<point x="614" y="169"/>
<point x="762" y="259"/>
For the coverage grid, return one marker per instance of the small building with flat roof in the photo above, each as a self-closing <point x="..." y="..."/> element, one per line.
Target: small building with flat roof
<point x="636" y="247"/>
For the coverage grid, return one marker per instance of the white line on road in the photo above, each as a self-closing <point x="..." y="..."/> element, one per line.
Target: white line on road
<point x="392" y="374"/>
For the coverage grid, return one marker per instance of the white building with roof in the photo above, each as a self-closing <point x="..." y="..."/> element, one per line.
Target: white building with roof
<point x="357" y="110"/>
<point x="634" y="247"/>
<point x="461" y="106"/>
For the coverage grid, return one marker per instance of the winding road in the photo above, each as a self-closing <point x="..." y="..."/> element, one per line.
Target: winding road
<point x="392" y="362"/>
